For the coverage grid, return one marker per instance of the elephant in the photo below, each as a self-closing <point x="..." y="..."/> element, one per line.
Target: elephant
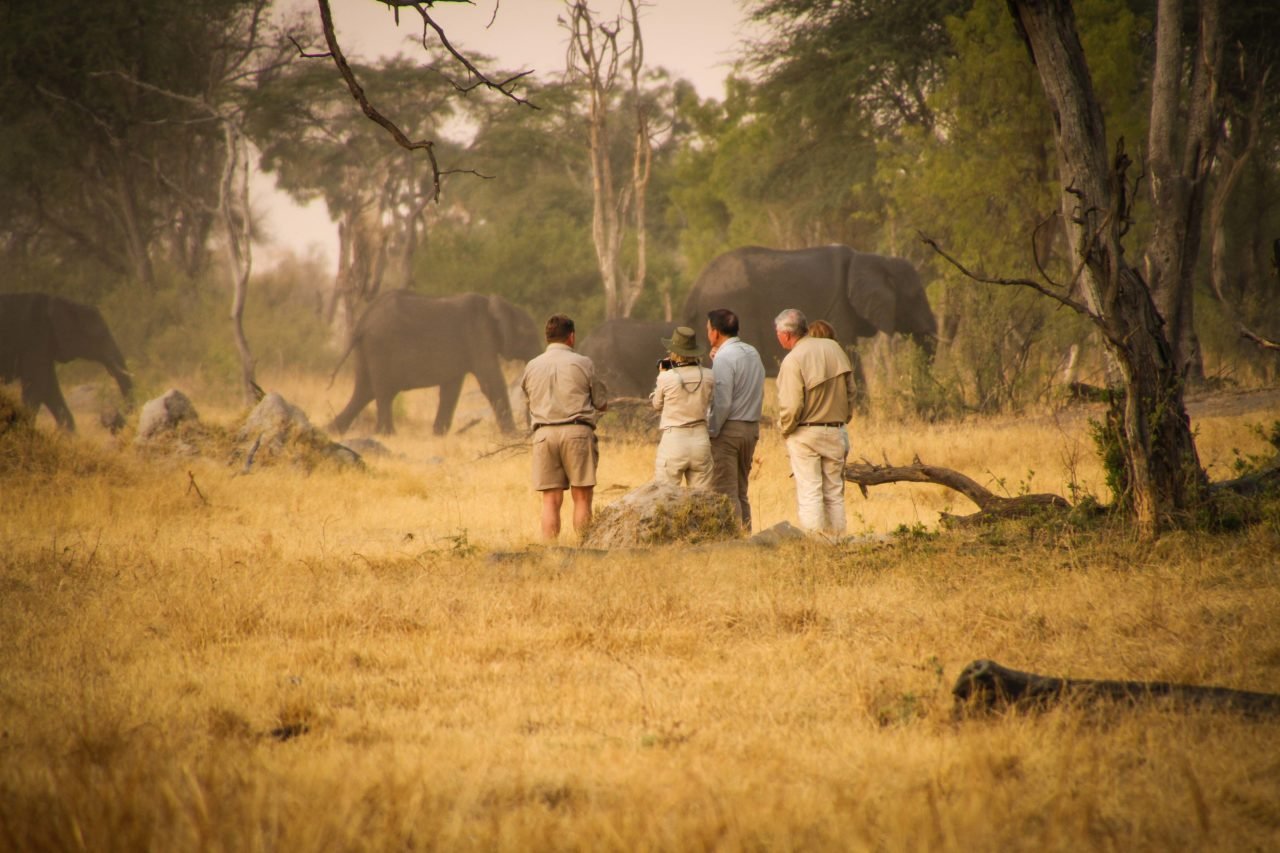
<point x="626" y="353"/>
<point x="38" y="330"/>
<point x="857" y="292"/>
<point x="406" y="340"/>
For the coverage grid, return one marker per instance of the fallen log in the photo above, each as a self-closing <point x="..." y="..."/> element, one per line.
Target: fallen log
<point x="985" y="685"/>
<point x="990" y="505"/>
<point x="1251" y="485"/>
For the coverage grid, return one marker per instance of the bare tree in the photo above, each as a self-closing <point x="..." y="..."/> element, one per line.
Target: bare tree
<point x="595" y="57"/>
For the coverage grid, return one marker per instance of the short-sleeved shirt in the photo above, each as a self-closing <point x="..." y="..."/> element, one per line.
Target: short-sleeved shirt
<point x="562" y="388"/>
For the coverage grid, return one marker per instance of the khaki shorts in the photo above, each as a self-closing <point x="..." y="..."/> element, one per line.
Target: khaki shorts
<point x="564" y="456"/>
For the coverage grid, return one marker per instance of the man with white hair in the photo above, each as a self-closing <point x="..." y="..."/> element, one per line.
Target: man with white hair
<point x="815" y="393"/>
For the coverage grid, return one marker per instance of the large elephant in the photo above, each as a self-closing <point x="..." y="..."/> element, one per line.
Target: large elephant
<point x="37" y="331"/>
<point x="407" y="340"/>
<point x="626" y="353"/>
<point x="857" y="292"/>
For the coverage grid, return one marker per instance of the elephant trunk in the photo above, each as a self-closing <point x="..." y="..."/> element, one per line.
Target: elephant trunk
<point x="926" y="342"/>
<point x="125" y="380"/>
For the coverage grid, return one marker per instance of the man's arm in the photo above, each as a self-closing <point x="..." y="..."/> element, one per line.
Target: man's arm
<point x="851" y="389"/>
<point x="599" y="392"/>
<point x="722" y="395"/>
<point x="790" y="396"/>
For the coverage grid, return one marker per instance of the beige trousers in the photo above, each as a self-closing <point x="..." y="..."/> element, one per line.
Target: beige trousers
<point x="817" y="463"/>
<point x="684" y="453"/>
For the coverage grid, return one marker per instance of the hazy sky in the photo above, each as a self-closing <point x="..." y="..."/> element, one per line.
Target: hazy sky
<point x="695" y="39"/>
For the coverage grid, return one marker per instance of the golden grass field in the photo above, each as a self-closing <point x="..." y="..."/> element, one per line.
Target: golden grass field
<point x="195" y="659"/>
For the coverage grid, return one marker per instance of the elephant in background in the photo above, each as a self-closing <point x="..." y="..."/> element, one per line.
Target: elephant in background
<point x="626" y="353"/>
<point x="857" y="292"/>
<point x="406" y="340"/>
<point x="37" y="331"/>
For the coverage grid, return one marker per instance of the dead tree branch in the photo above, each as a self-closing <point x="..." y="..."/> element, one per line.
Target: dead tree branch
<point x="357" y="91"/>
<point x="1265" y="343"/>
<point x="985" y="685"/>
<point x="990" y="505"/>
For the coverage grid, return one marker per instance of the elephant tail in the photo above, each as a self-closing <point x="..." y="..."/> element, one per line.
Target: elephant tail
<point x="342" y="360"/>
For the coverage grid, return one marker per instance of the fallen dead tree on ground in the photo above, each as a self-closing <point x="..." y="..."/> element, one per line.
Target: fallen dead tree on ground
<point x="990" y="505"/>
<point x="985" y="685"/>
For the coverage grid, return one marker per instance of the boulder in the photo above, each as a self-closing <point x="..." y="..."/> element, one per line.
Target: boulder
<point x="277" y="431"/>
<point x="164" y="414"/>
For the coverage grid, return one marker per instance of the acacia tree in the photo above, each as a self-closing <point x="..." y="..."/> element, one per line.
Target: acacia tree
<point x="320" y="146"/>
<point x="1162" y="473"/>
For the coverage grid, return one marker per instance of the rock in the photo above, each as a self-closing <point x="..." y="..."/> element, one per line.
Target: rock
<point x="780" y="532"/>
<point x="274" y="416"/>
<point x="164" y="414"/>
<point x="278" y="431"/>
<point x="366" y="446"/>
<point x="660" y="514"/>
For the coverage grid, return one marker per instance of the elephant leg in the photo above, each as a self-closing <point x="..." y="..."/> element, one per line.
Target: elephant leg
<point x="861" y="405"/>
<point x="495" y="389"/>
<point x="384" y="401"/>
<point x="450" y="390"/>
<point x="44" y="389"/>
<point x="361" y="396"/>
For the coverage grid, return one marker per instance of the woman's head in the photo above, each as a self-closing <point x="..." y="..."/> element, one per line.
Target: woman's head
<point x="821" y="329"/>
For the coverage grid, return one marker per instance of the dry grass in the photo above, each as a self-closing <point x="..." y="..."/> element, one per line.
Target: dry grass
<point x="385" y="659"/>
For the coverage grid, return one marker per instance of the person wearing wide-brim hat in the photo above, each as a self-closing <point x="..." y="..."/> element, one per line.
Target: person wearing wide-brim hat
<point x="684" y="343"/>
<point x="682" y="394"/>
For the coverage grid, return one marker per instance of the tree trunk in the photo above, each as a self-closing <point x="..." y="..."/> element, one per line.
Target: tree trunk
<point x="234" y="204"/>
<point x="1180" y="153"/>
<point x="596" y="64"/>
<point x="641" y="168"/>
<point x="1162" y="471"/>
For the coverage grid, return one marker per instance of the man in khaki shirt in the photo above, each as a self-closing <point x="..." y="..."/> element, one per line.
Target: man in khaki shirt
<point x="815" y="393"/>
<point x="565" y="400"/>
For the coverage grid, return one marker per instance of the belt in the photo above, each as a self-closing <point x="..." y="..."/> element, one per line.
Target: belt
<point x="832" y="424"/>
<point x="575" y="422"/>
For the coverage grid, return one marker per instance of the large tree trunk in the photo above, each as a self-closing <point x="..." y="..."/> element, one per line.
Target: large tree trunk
<point x="1162" y="472"/>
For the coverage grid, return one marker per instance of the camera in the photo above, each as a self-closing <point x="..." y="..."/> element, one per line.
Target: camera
<point x="666" y="363"/>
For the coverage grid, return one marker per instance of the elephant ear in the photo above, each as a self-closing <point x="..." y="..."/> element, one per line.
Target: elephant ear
<point x="870" y="287"/>
<point x="516" y="330"/>
<point x="915" y="316"/>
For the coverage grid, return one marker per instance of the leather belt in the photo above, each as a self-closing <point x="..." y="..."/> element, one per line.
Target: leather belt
<point x="576" y="422"/>
<point x="833" y="424"/>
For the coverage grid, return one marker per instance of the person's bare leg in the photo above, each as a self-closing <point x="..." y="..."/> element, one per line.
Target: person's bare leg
<point x="551" y="501"/>
<point x="581" y="507"/>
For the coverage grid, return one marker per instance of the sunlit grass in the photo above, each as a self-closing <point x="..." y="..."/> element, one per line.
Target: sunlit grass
<point x="196" y="658"/>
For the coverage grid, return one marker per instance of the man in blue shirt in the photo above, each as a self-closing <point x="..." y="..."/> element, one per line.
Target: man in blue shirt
<point x="733" y="421"/>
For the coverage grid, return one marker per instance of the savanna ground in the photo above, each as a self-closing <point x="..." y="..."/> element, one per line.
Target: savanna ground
<point x="193" y="658"/>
